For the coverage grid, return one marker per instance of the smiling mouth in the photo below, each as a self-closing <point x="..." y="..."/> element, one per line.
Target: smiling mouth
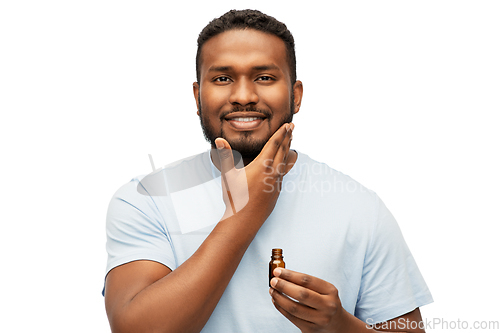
<point x="245" y="121"/>
<point x="248" y="123"/>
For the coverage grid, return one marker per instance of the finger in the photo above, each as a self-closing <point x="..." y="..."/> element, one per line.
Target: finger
<point x="273" y="144"/>
<point x="303" y="295"/>
<point x="226" y="164"/>
<point x="290" y="312"/>
<point x="281" y="158"/>
<point x="225" y="155"/>
<point x="307" y="281"/>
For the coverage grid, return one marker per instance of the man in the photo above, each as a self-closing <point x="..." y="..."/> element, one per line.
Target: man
<point x="189" y="244"/>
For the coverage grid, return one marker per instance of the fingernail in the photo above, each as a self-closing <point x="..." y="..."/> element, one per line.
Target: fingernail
<point x="274" y="282"/>
<point x="219" y="144"/>
<point x="287" y="127"/>
<point x="271" y="290"/>
<point x="277" y="271"/>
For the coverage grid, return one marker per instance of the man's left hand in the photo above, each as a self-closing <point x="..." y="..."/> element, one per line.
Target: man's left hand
<point x="315" y="306"/>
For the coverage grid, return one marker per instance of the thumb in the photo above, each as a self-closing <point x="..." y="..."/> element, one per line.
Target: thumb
<point x="225" y="155"/>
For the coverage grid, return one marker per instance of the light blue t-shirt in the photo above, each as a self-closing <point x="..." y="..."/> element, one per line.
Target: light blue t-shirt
<point x="327" y="224"/>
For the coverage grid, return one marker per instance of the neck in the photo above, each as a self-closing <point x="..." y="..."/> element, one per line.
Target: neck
<point x="292" y="158"/>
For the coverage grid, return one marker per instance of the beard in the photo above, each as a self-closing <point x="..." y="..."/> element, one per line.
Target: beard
<point x="248" y="147"/>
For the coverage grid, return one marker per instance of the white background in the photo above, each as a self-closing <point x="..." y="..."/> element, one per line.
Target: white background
<point x="402" y="96"/>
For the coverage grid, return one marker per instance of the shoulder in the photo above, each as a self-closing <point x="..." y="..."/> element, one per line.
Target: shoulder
<point x="127" y="193"/>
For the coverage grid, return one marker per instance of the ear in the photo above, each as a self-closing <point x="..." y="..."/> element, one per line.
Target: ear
<point x="297" y="93"/>
<point x="196" y="91"/>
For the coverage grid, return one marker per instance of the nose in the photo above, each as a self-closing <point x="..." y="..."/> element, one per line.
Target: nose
<point x="243" y="93"/>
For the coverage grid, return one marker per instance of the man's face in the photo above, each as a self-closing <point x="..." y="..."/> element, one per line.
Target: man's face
<point x="245" y="94"/>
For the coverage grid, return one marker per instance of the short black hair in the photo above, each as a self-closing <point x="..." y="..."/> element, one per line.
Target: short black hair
<point x="249" y="19"/>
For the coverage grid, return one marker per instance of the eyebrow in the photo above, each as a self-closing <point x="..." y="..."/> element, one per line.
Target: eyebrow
<point x="255" y="68"/>
<point x="220" y="68"/>
<point x="266" y="67"/>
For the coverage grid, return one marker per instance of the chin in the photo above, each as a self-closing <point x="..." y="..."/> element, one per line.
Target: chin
<point x="247" y="147"/>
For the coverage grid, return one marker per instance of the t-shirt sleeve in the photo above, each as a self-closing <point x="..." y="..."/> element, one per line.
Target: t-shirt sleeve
<point x="391" y="283"/>
<point x="135" y="229"/>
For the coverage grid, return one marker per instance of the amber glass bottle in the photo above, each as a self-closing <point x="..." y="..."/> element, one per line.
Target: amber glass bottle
<point x="276" y="261"/>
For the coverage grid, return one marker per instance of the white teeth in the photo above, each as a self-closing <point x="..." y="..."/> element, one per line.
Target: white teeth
<point x="245" y="119"/>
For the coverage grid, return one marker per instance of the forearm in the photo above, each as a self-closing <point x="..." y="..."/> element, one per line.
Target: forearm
<point x="183" y="300"/>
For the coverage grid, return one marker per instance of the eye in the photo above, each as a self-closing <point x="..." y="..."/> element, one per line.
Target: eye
<point x="222" y="79"/>
<point x="265" y="78"/>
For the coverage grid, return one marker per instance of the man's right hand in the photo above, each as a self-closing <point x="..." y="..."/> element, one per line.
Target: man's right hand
<point x="256" y="187"/>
